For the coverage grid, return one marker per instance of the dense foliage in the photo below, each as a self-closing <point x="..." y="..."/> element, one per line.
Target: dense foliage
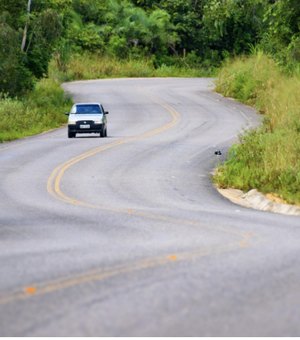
<point x="167" y="32"/>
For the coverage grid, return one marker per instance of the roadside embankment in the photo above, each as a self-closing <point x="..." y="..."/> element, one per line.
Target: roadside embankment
<point x="41" y="110"/>
<point x="86" y="66"/>
<point x="268" y="158"/>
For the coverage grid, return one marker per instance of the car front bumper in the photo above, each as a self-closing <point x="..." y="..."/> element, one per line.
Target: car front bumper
<point x="78" y="128"/>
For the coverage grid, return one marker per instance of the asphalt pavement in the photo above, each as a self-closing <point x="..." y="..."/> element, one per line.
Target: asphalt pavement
<point x="127" y="236"/>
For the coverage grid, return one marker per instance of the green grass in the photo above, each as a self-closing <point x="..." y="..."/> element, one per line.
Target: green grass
<point x="40" y="111"/>
<point x="268" y="158"/>
<point x="92" y="66"/>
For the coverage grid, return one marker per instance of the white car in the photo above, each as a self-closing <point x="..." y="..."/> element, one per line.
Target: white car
<point x="87" y="118"/>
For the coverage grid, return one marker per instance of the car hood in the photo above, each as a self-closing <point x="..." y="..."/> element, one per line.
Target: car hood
<point x="76" y="117"/>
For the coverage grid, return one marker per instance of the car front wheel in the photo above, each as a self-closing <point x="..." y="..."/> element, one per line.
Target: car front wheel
<point x="71" y="134"/>
<point x="103" y="132"/>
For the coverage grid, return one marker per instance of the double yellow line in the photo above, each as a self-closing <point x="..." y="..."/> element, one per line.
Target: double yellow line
<point x="243" y="240"/>
<point x="54" y="181"/>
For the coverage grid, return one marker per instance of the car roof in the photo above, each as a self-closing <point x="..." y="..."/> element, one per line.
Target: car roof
<point x="87" y="104"/>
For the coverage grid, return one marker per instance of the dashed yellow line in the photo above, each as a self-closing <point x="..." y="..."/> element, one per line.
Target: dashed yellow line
<point x="102" y="274"/>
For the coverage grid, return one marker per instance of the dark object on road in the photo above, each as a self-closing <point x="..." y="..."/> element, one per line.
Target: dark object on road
<point x="218" y="153"/>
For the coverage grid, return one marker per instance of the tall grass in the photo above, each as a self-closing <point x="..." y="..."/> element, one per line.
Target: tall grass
<point x="93" y="66"/>
<point x="268" y="158"/>
<point x="39" y="111"/>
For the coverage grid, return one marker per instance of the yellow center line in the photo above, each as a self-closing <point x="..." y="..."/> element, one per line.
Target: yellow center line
<point x="55" y="179"/>
<point x="102" y="274"/>
<point x="243" y="240"/>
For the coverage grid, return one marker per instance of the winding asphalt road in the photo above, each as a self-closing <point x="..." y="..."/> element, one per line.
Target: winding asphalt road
<point x="126" y="235"/>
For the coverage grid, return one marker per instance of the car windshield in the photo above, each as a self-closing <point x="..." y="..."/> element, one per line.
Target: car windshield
<point x="88" y="108"/>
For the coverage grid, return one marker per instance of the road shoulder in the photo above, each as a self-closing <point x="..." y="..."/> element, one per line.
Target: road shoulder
<point x="256" y="200"/>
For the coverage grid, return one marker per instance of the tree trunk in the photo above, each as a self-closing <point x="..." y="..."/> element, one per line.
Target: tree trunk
<point x="26" y="26"/>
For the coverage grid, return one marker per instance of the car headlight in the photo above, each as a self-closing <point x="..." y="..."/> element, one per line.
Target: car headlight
<point x="98" y="121"/>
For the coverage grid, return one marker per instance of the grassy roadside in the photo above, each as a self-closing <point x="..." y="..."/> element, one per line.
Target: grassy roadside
<point x="92" y="66"/>
<point x="39" y="111"/>
<point x="267" y="158"/>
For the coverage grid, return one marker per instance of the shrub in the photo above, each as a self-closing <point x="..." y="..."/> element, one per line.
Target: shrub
<point x="94" y="66"/>
<point x="41" y="110"/>
<point x="268" y="158"/>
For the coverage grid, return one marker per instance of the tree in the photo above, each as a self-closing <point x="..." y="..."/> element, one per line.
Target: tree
<point x="282" y="34"/>
<point x="15" y="77"/>
<point x="232" y="26"/>
<point x="26" y="26"/>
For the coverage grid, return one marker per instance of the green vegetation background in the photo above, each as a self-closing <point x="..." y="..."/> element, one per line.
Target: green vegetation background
<point x="253" y="46"/>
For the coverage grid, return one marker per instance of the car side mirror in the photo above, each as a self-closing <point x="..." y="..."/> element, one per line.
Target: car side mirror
<point x="67" y="113"/>
<point x="106" y="112"/>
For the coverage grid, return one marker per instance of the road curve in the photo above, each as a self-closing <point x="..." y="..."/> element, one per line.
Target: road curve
<point x="126" y="236"/>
